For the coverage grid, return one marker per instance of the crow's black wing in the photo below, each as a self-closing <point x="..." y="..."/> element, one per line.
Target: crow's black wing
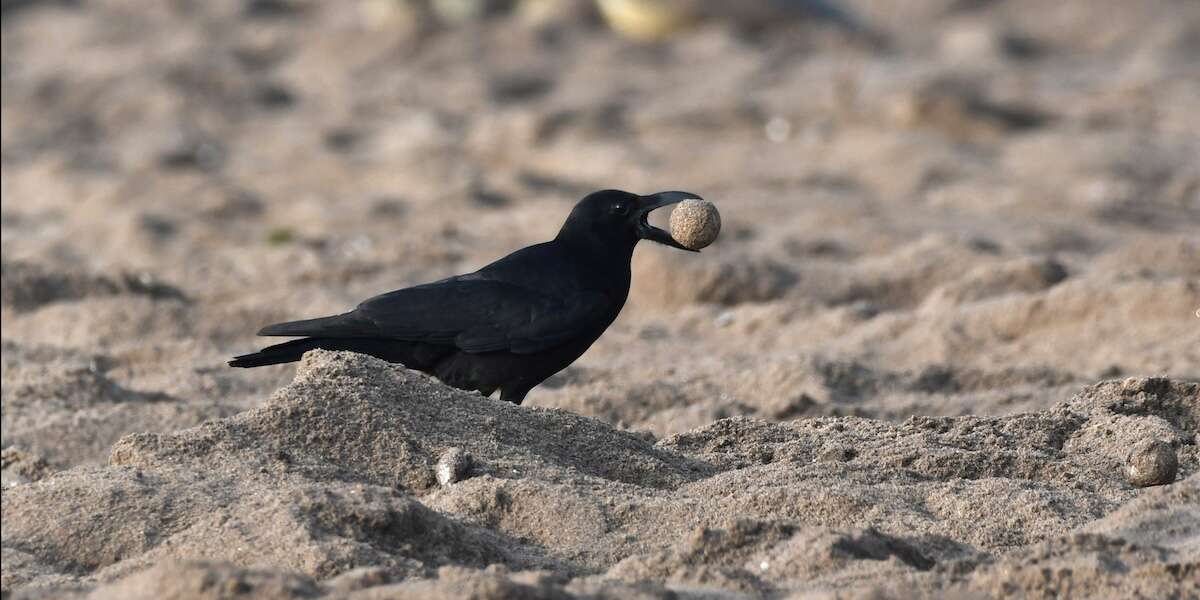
<point x="475" y="314"/>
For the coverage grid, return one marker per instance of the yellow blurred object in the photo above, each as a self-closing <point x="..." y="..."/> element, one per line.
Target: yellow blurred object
<point x="645" y="20"/>
<point x="387" y="14"/>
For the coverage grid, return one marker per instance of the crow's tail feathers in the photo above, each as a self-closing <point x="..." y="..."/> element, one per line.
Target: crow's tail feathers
<point x="284" y="353"/>
<point x="345" y="325"/>
<point x="415" y="355"/>
<point x="338" y="332"/>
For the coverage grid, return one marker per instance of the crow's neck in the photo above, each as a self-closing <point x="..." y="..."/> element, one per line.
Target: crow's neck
<point x="610" y="257"/>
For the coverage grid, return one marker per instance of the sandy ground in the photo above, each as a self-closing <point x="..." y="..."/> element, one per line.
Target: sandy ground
<point x="956" y="289"/>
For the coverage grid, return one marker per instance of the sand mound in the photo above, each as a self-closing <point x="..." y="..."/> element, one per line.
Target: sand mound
<point x="330" y="485"/>
<point x="387" y="426"/>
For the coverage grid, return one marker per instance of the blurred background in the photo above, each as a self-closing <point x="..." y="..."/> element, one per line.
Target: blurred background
<point x="930" y="206"/>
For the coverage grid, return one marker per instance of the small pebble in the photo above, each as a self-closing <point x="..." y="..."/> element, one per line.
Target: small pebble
<point x="725" y="319"/>
<point x="1152" y="462"/>
<point x="453" y="466"/>
<point x="695" y="223"/>
<point x="778" y="130"/>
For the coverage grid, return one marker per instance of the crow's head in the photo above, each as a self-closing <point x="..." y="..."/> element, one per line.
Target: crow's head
<point x="619" y="219"/>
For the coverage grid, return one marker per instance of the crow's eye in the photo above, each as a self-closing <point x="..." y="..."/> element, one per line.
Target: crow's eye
<point x="621" y="208"/>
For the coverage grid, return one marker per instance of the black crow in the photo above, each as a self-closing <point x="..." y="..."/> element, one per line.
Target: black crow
<point x="509" y="325"/>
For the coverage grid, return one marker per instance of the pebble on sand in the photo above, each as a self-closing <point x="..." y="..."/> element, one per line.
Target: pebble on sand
<point x="453" y="466"/>
<point x="695" y="223"/>
<point x="1152" y="462"/>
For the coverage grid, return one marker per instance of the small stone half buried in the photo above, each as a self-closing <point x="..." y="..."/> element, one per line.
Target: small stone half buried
<point x="695" y="223"/>
<point x="453" y="466"/>
<point x="1151" y="462"/>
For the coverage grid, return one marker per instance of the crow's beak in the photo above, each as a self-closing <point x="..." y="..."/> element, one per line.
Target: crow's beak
<point x="647" y="204"/>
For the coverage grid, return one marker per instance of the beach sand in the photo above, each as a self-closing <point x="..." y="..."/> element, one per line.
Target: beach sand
<point x="956" y="286"/>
